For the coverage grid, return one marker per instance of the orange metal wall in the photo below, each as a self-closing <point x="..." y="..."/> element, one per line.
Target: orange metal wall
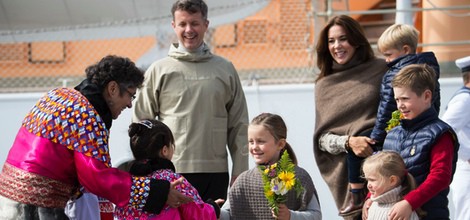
<point x="77" y="56"/>
<point x="445" y="26"/>
<point x="284" y="23"/>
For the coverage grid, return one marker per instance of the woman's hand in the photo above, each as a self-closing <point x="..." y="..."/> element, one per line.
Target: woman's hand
<point x="219" y="202"/>
<point x="365" y="209"/>
<point x="400" y="211"/>
<point x="283" y="213"/>
<point x="175" y="198"/>
<point x="361" y="145"/>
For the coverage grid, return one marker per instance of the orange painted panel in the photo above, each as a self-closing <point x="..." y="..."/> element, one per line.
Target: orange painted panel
<point x="44" y="59"/>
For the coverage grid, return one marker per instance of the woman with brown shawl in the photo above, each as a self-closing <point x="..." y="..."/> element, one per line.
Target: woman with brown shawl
<point x="346" y="101"/>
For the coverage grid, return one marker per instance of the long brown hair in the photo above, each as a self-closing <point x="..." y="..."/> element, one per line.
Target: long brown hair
<point x="355" y="36"/>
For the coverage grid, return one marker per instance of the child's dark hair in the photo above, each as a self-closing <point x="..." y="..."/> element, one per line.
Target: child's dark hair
<point x="148" y="137"/>
<point x="277" y="128"/>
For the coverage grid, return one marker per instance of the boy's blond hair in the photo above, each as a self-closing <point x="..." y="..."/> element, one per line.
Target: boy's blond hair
<point x="417" y="77"/>
<point x="397" y="36"/>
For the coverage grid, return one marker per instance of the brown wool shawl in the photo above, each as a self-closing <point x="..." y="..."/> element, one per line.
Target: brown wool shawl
<point x="346" y="103"/>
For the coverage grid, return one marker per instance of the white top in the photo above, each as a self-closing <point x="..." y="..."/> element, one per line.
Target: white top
<point x="457" y="115"/>
<point x="381" y="205"/>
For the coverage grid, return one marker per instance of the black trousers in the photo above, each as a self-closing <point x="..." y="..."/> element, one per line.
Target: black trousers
<point x="355" y="163"/>
<point x="209" y="185"/>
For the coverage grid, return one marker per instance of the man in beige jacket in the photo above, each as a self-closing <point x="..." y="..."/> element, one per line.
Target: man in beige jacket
<point x="200" y="97"/>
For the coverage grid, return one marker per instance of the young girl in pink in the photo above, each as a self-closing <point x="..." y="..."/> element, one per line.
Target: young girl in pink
<point x="152" y="145"/>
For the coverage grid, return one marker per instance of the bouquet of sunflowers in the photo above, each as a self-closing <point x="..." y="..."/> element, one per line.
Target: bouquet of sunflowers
<point x="394" y="121"/>
<point x="278" y="180"/>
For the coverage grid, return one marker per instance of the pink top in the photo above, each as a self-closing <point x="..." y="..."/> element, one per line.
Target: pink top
<point x="197" y="210"/>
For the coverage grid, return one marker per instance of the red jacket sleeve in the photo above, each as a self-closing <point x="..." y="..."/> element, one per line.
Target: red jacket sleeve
<point x="440" y="173"/>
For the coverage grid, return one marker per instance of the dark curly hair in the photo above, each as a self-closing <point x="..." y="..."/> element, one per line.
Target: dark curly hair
<point x="148" y="137"/>
<point x="115" y="68"/>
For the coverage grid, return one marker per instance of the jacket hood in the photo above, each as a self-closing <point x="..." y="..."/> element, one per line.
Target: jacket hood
<point x="425" y="57"/>
<point x="198" y="56"/>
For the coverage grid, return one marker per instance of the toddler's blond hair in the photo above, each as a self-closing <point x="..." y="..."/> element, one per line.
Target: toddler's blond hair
<point x="397" y="36"/>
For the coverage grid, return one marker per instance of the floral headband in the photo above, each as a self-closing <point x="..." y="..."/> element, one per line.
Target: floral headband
<point x="146" y="123"/>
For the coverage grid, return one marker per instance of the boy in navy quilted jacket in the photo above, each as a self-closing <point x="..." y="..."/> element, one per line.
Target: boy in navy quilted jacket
<point x="398" y="44"/>
<point x="427" y="144"/>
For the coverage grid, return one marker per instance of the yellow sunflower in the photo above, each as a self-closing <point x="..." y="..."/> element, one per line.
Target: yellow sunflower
<point x="288" y="178"/>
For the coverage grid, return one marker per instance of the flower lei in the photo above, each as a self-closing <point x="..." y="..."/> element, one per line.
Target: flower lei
<point x="394" y="121"/>
<point x="278" y="180"/>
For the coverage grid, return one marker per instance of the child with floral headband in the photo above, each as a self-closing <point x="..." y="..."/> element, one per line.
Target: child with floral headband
<point x="152" y="145"/>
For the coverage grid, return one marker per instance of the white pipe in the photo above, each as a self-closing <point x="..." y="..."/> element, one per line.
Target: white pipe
<point x="404" y="17"/>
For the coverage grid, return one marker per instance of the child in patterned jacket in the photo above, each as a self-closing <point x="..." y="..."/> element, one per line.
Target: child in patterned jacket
<point x="152" y="144"/>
